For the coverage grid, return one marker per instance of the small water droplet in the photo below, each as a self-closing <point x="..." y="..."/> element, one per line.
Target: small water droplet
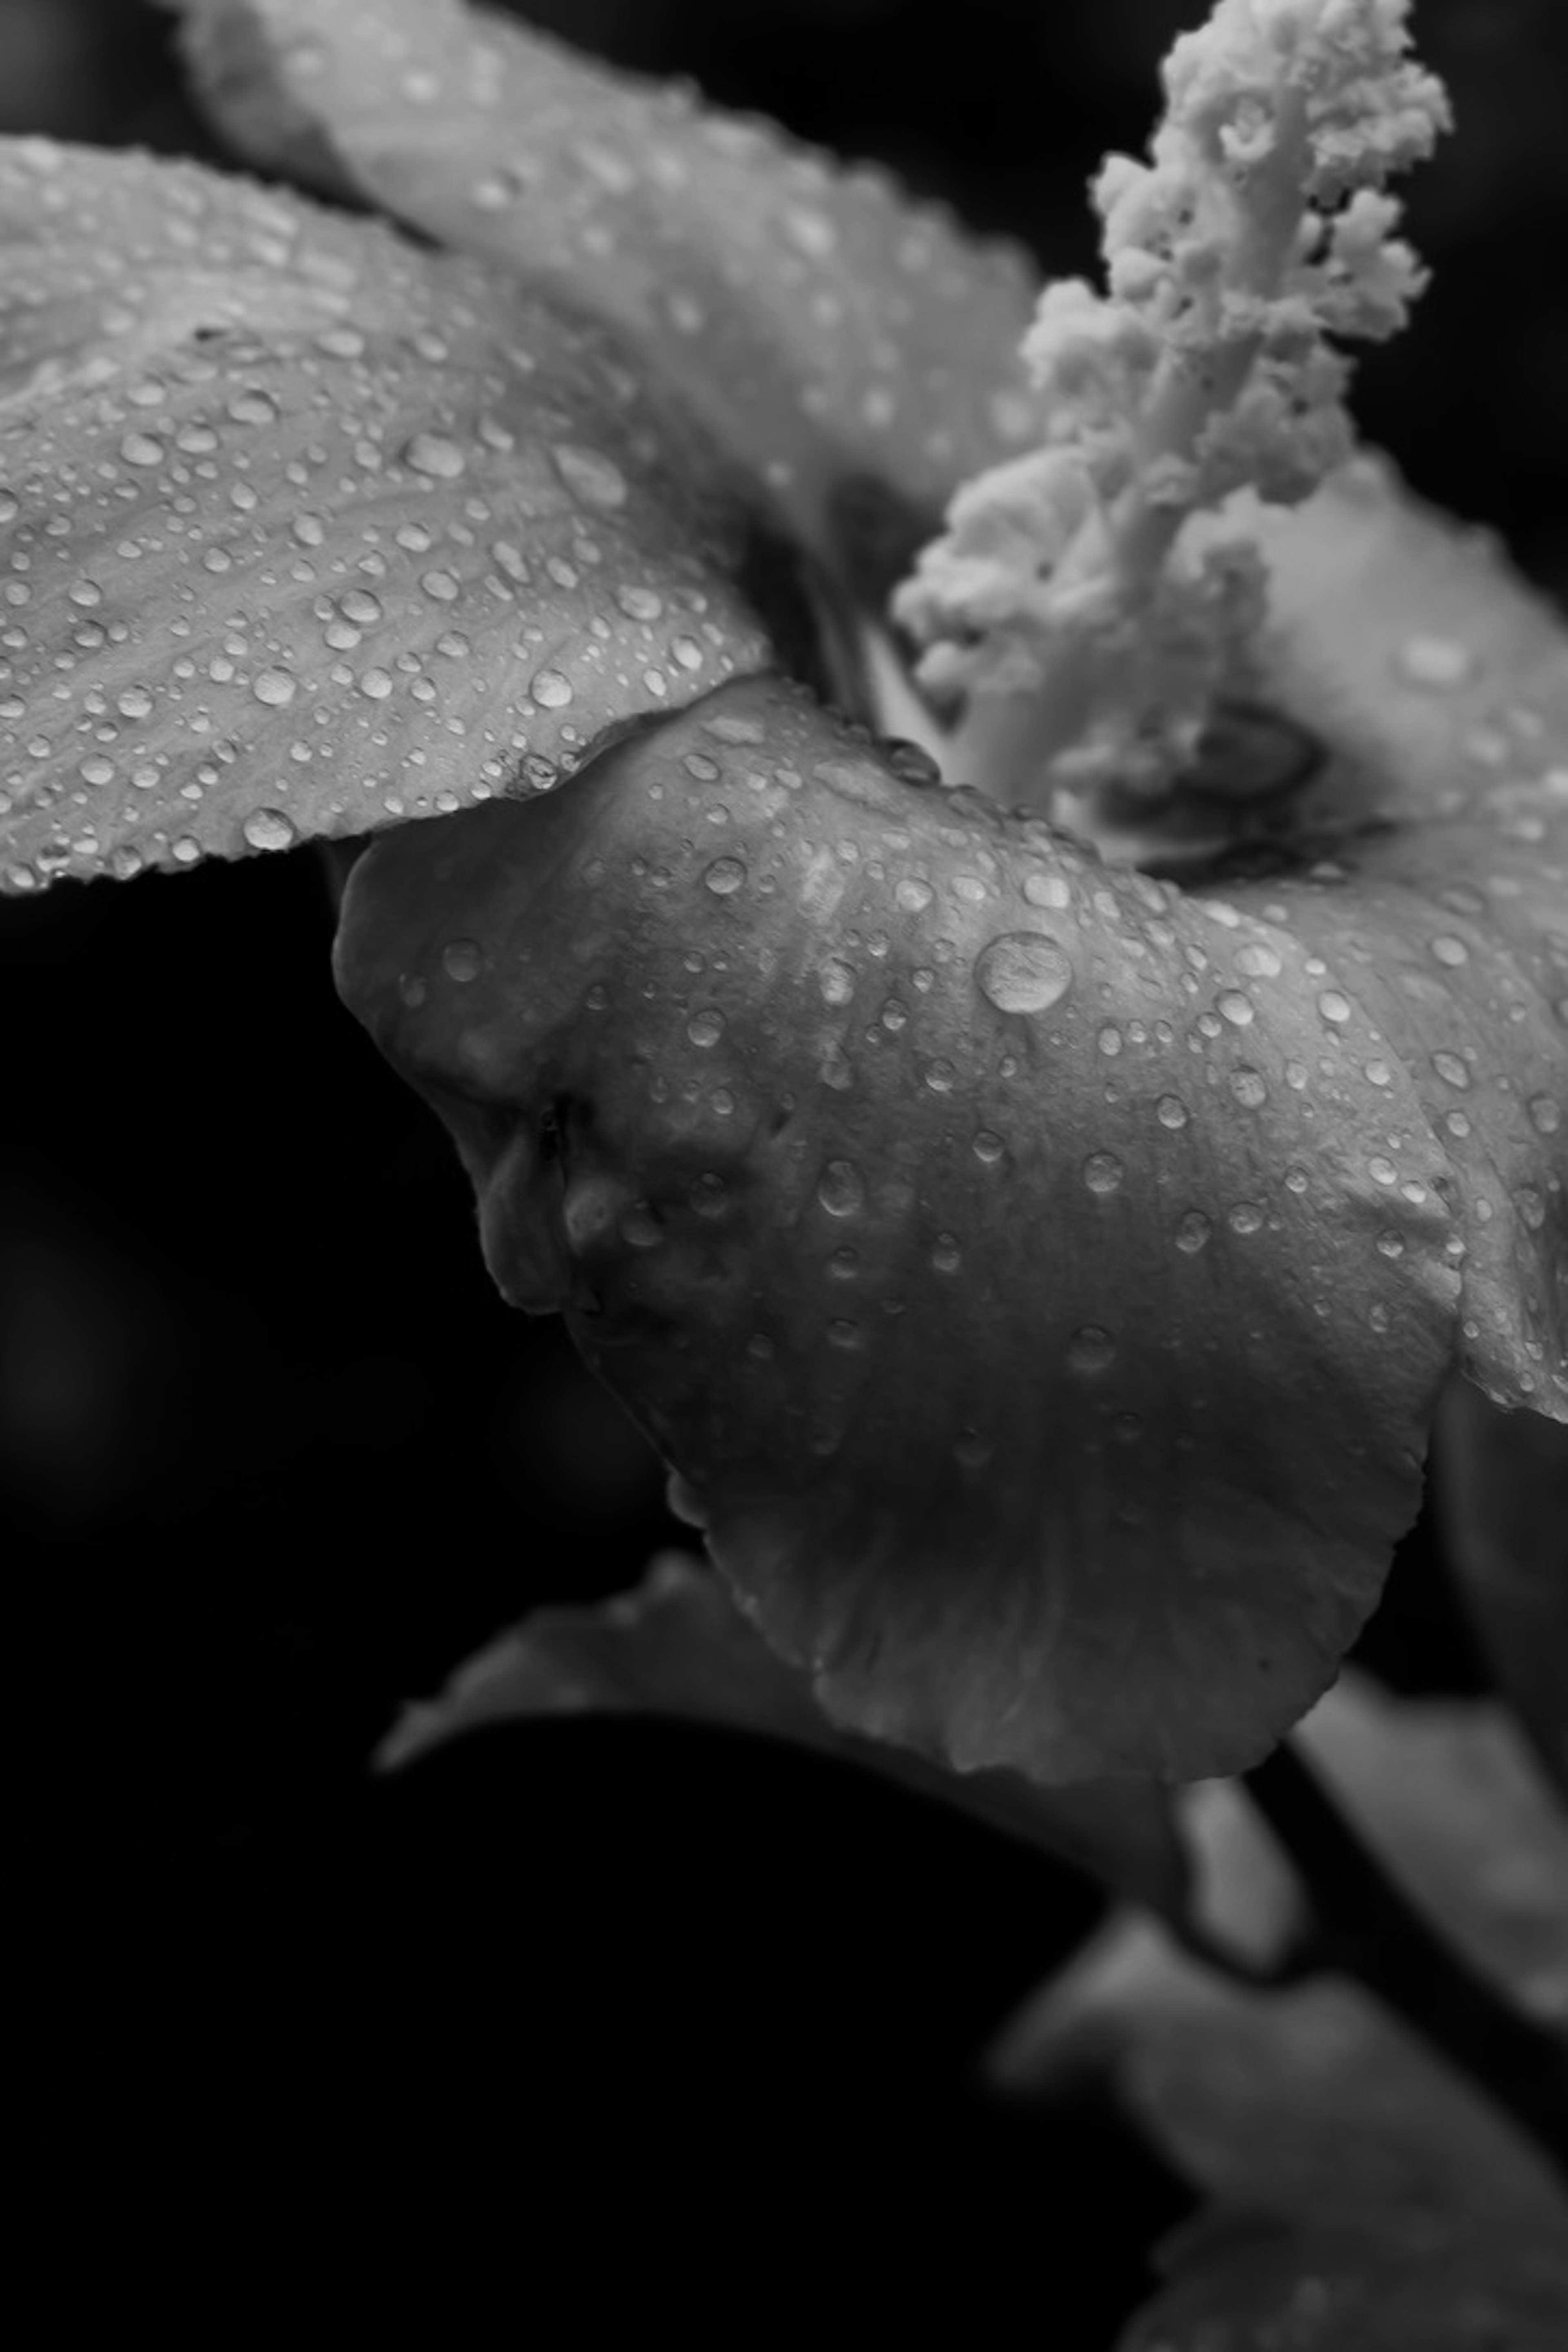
<point x="706" y="1028"/>
<point x="1091" y="1350"/>
<point x="940" y="1076"/>
<point x="1334" y="1007"/>
<point x="1050" y="890"/>
<point x="946" y="1258"/>
<point x="1258" y="961"/>
<point x="268" y="828"/>
<point x="1192" y="1233"/>
<point x="841" y="1189"/>
<point x="1249" y="1087"/>
<point x="1449" y="951"/>
<point x="1382" y="1171"/>
<point x="1245" y="1217"/>
<point x="590" y="475"/>
<point x="725" y="877"/>
<point x="1434" y="661"/>
<point x="1236" y="1008"/>
<point x="1171" y="1111"/>
<point x="1545" y="1114"/>
<point x="275" y="687"/>
<point x="141" y="449"/>
<point x="913" y="895"/>
<point x="1103" y="1171"/>
<point x="463" y="960"/>
<point x="639" y="1228"/>
<point x="1110" y="1040"/>
<point x="836" y="982"/>
<point x="1023" y="971"/>
<point x="435" y="455"/>
<point x="550" y="689"/>
<point x="988" y="1146"/>
<point x="1390" y="1243"/>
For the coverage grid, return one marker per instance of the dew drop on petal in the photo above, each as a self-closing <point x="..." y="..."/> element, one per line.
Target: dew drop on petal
<point x="1449" y="1066"/>
<point x="1091" y="1350"/>
<point x="706" y="1028"/>
<point x="1234" y="1007"/>
<point x="275" y="687"/>
<point x="1192" y="1233"/>
<point x="1545" y="1114"/>
<point x="1245" y="1217"/>
<point x="1248" y="1089"/>
<point x="1047" y="890"/>
<point x="462" y="960"/>
<point x="1448" y="950"/>
<point x="841" y="1189"/>
<point x="268" y="828"/>
<point x="435" y="455"/>
<point x="724" y="877"/>
<point x="913" y="896"/>
<point x="550" y="689"/>
<point x="1103" y="1171"/>
<point x="1334" y="1007"/>
<point x="1023" y="971"/>
<point x="1171" y="1111"/>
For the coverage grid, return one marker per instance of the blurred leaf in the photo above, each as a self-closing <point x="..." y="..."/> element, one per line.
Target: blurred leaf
<point x="1502" y="1484"/>
<point x="678" y="1646"/>
<point x="1390" y="2195"/>
<point x="827" y="330"/>
<point x="309" y="531"/>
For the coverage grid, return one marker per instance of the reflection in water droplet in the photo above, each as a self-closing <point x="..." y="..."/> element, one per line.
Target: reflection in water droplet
<point x="268" y="828"/>
<point x="1258" y="961"/>
<point x="1023" y="971"/>
<point x="841" y="1189"/>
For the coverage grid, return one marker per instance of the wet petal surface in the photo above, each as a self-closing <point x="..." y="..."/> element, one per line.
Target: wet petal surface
<point x="1043" y="1299"/>
<point x="303" y="531"/>
<point x="827" y="329"/>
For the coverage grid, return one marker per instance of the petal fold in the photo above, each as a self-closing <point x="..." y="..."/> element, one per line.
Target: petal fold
<point x="306" y="532"/>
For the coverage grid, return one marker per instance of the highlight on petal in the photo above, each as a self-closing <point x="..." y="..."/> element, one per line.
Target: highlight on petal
<point x="1042" y="1280"/>
<point x="303" y="531"/>
<point x="824" y="327"/>
<point x="677" y="1646"/>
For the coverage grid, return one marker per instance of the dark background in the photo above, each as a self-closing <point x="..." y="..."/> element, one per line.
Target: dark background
<point x="617" y="2018"/>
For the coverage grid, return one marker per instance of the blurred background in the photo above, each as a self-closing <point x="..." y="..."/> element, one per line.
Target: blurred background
<point x="274" y="1456"/>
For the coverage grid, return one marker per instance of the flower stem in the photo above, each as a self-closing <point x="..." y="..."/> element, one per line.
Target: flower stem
<point x="1375" y="1934"/>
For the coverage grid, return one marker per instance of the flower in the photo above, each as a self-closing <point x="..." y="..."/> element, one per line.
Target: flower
<point x="1040" y="1276"/>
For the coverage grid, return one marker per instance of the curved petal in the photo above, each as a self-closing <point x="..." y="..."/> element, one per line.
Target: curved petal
<point x="825" y="328"/>
<point x="1039" y="1276"/>
<point x="306" y="532"/>
<point x="677" y="1646"/>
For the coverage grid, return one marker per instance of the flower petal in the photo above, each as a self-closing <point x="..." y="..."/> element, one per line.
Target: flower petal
<point x="1041" y="1289"/>
<point x="825" y="328"/>
<point x="306" y="532"/>
<point x="677" y="1646"/>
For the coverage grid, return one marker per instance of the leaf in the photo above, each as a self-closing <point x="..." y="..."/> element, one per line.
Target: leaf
<point x="828" y="331"/>
<point x="309" y="532"/>
<point x="677" y="1646"/>
<point x="1342" y="2292"/>
<point x="1364" y="2187"/>
<point x="1501" y="1484"/>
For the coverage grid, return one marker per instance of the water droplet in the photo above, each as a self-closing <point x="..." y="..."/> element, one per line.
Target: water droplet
<point x="1450" y="1068"/>
<point x="913" y="895"/>
<point x="1390" y="1243"/>
<point x="940" y="1076"/>
<point x="639" y="1228"/>
<point x="1023" y="971"/>
<point x="1103" y="1171"/>
<point x="1382" y="1171"/>
<point x="988" y="1146"/>
<point x="141" y="449"/>
<point x="1110" y="1040"/>
<point x="1448" y="950"/>
<point x="1434" y="661"/>
<point x="413" y="990"/>
<point x="1171" y="1111"/>
<point x="268" y="828"/>
<point x="1545" y="1114"/>
<point x="1258" y="961"/>
<point x="1091" y="1350"/>
<point x="841" y="1189"/>
<point x="590" y="475"/>
<point x="433" y="454"/>
<point x="1334" y="1007"/>
<point x="1236" y="1008"/>
<point x="706" y="1028"/>
<point x="275" y="687"/>
<point x="1245" y="1217"/>
<point x="725" y="877"/>
<point x="844" y="1333"/>
<point x="946" y="1258"/>
<point x="836" y="982"/>
<point x="463" y="960"/>
<point x="360" y="606"/>
<point x="550" y="689"/>
<point x="1047" y="890"/>
<point x="1192" y="1233"/>
<point x="1248" y="1089"/>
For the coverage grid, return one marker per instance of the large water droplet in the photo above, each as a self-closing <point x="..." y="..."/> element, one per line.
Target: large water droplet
<point x="841" y="1189"/>
<point x="268" y="828"/>
<point x="1023" y="971"/>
